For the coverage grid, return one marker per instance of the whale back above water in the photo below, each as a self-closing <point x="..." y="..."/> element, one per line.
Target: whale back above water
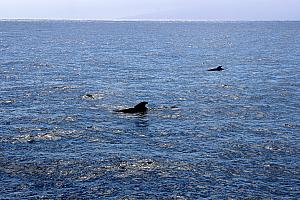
<point x="216" y="69"/>
<point x="139" y="108"/>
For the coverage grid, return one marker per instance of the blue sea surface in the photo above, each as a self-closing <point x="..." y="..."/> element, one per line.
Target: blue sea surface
<point x="232" y="134"/>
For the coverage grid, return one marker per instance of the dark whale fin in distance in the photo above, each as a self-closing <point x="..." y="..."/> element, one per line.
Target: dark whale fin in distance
<point x="139" y="108"/>
<point x="216" y="69"/>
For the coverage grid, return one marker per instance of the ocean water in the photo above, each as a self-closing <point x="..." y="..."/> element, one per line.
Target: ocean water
<point x="207" y="135"/>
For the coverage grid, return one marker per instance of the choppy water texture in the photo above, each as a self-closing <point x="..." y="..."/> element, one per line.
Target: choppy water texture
<point x="216" y="135"/>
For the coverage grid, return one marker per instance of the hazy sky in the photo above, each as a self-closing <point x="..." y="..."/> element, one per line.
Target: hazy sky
<point x="151" y="9"/>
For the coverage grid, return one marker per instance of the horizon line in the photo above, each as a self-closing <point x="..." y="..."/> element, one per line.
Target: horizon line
<point x="146" y="20"/>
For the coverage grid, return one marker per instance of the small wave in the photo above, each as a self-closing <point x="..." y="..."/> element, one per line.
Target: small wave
<point x="33" y="138"/>
<point x="50" y="136"/>
<point x="64" y="87"/>
<point x="93" y="96"/>
<point x="7" y="101"/>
